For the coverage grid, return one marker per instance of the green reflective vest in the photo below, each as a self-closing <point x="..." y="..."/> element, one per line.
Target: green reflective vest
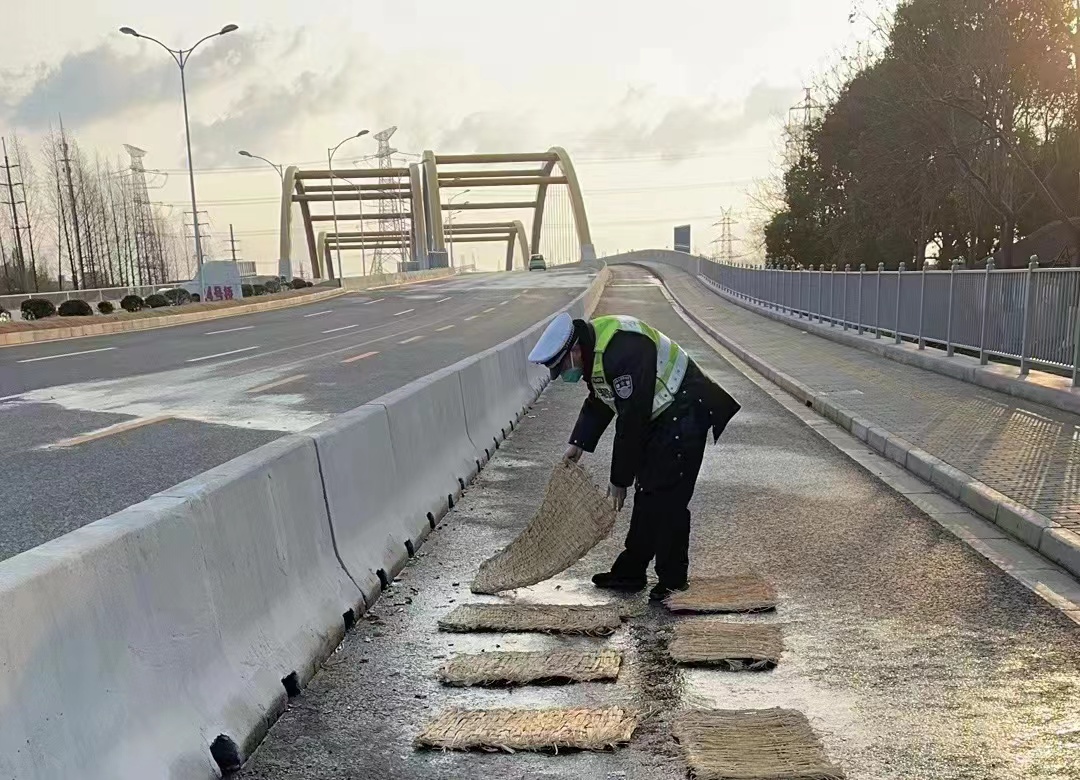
<point x="671" y="362"/>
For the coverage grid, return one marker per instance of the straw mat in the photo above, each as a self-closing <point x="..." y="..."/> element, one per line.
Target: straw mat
<point x="545" y="618"/>
<point x="572" y="519"/>
<point x="735" y="647"/>
<point x="752" y="745"/>
<point x="743" y="593"/>
<point x="551" y="730"/>
<point x="506" y="668"/>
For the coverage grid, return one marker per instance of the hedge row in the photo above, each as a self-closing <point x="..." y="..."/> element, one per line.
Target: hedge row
<point x="40" y="308"/>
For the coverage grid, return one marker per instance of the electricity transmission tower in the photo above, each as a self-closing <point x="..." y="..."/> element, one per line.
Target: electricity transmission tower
<point x="391" y="217"/>
<point x="800" y="123"/>
<point x="726" y="241"/>
<point x="149" y="261"/>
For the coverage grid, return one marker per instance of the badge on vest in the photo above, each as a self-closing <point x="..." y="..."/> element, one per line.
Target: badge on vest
<point x="624" y="386"/>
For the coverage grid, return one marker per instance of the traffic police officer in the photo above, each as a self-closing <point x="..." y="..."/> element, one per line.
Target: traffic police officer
<point x="665" y="408"/>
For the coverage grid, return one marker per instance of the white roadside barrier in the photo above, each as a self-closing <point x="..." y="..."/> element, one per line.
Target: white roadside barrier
<point x="162" y="642"/>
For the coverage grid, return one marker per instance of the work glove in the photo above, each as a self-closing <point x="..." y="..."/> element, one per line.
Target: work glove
<point x="573" y="454"/>
<point x="618" y="496"/>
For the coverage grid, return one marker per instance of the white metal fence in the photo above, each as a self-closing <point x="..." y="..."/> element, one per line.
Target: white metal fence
<point x="1027" y="316"/>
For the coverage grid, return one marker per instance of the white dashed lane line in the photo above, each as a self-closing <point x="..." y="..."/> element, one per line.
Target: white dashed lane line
<point x="488" y="311"/>
<point x="410" y="340"/>
<point x="407" y="311"/>
<point x="443" y="300"/>
<point x="221" y="354"/>
<point x="470" y="319"/>
<point x="228" y="330"/>
<point x="278" y="383"/>
<point x="360" y="357"/>
<point x="345" y="327"/>
<point x="66" y="354"/>
<point x="374" y="300"/>
<point x="318" y="313"/>
<point x="444" y="327"/>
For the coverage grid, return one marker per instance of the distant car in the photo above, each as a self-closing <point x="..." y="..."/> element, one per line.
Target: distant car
<point x="537" y="263"/>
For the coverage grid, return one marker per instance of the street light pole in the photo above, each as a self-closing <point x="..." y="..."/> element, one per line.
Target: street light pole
<point x="280" y="169"/>
<point x="333" y="203"/>
<point x="450" y="218"/>
<point x="181" y="57"/>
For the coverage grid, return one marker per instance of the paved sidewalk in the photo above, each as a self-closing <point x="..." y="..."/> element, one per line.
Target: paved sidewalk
<point x="1027" y="451"/>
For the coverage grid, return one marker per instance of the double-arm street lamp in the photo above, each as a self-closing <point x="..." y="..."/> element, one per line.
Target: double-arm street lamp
<point x="181" y="56"/>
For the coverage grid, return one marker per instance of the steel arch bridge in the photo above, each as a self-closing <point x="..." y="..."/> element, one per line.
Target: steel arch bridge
<point x="426" y="225"/>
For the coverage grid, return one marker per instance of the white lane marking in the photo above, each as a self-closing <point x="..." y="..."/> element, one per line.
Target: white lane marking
<point x="318" y="313"/>
<point x="101" y="433"/>
<point x="360" y="357"/>
<point x="228" y="330"/>
<point x="411" y="340"/>
<point x="407" y="311"/>
<point x="444" y="327"/>
<point x="66" y="354"/>
<point x="443" y="300"/>
<point x="221" y="354"/>
<point x="279" y="383"/>
<point x="470" y="319"/>
<point x="504" y="303"/>
<point x="488" y="311"/>
<point x="373" y="300"/>
<point x="346" y="327"/>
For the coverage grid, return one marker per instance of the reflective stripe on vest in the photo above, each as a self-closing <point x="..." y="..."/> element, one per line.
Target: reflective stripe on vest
<point x="671" y="361"/>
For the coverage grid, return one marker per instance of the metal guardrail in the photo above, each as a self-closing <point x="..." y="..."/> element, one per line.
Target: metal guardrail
<point x="1028" y="316"/>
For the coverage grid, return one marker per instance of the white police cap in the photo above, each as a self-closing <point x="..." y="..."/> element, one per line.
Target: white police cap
<point x="554" y="342"/>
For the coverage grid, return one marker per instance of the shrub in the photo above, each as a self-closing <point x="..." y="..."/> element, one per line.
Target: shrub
<point x="106" y="308"/>
<point x="258" y="289"/>
<point x="195" y="297"/>
<point x="37" y="308"/>
<point x="177" y="296"/>
<point x="75" y="308"/>
<point x="246" y="290"/>
<point x="309" y="284"/>
<point x="273" y="285"/>
<point x="132" y="303"/>
<point x="4" y="316"/>
<point x="298" y="284"/>
<point x="156" y="301"/>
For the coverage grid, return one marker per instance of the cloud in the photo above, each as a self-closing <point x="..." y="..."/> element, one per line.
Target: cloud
<point x="262" y="113"/>
<point x="101" y="82"/>
<point x="685" y="128"/>
<point x="488" y="131"/>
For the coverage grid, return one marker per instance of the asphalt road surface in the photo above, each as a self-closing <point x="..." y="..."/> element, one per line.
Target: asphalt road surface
<point x="913" y="657"/>
<point x="93" y="425"/>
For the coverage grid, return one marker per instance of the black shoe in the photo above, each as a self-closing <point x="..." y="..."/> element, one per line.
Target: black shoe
<point x="611" y="581"/>
<point x="661" y="591"/>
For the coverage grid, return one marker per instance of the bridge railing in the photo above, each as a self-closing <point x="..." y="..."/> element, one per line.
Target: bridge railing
<point x="1024" y="316"/>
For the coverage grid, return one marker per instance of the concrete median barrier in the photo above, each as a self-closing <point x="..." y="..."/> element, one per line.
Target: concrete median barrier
<point x="130" y="645"/>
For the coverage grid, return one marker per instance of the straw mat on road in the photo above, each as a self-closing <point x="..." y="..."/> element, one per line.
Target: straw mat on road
<point x="506" y="668"/>
<point x="545" y="618"/>
<point x="736" y="647"/>
<point x="572" y="519"/>
<point x="752" y="745"/>
<point x="742" y="593"/>
<point x="551" y="730"/>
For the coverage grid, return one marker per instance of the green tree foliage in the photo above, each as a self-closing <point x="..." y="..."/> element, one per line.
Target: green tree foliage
<point x="962" y="133"/>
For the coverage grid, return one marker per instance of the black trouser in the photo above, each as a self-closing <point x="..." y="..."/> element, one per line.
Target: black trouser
<point x="660" y="523"/>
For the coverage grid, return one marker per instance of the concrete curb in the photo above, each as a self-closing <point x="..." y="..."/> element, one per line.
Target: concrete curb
<point x="17" y="338"/>
<point x="1035" y="530"/>
<point x="1039" y="387"/>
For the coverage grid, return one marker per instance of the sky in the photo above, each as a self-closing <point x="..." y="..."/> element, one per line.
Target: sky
<point x="671" y="111"/>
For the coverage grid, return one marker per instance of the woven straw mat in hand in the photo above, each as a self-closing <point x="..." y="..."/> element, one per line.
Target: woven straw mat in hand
<point x="574" y="517"/>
